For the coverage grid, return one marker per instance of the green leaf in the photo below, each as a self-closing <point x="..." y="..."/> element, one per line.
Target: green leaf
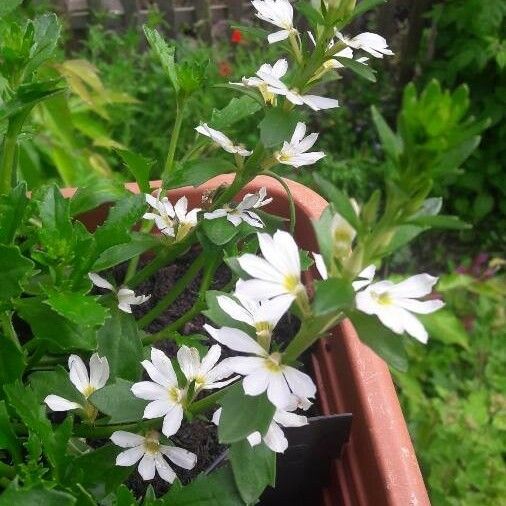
<point x="325" y="239"/>
<point x="119" y="253"/>
<point x="445" y="327"/>
<point x="36" y="496"/>
<point x="313" y="15"/>
<point x="219" y="231"/>
<point x="118" y="226"/>
<point x="403" y="235"/>
<point x="380" y="339"/>
<point x="340" y="201"/>
<point x="97" y="471"/>
<point x="14" y="268"/>
<point x="46" y="34"/>
<point x="359" y="68"/>
<point x="249" y="92"/>
<point x="78" y="308"/>
<point x="101" y="191"/>
<point x="254" y="468"/>
<point x="236" y="110"/>
<point x="215" y="489"/>
<point x="118" y="402"/>
<point x="218" y="316"/>
<point x="440" y="221"/>
<point x="453" y="158"/>
<point x="277" y="126"/>
<point x="47" y="325"/>
<point x="12" y="210"/>
<point x="12" y="361"/>
<point x="243" y="414"/>
<point x="332" y="295"/>
<point x="391" y="143"/>
<point x="120" y="340"/>
<point x="196" y="172"/>
<point x="139" y="166"/>
<point x="366" y="5"/>
<point x="56" y="381"/>
<point x="165" y="54"/>
<point x="8" y="439"/>
<point x="7" y="6"/>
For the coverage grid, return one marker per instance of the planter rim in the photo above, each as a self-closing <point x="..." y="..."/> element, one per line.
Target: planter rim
<point x="379" y="464"/>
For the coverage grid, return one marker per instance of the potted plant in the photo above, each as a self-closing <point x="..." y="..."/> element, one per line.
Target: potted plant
<point x="97" y="403"/>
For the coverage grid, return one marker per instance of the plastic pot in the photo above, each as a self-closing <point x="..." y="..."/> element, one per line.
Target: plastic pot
<point x="378" y="465"/>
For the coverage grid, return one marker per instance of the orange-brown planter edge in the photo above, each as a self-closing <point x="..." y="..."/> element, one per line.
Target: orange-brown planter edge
<point x="378" y="466"/>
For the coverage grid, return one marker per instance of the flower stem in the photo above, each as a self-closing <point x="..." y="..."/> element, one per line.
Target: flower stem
<point x="7" y="471"/>
<point x="174" y="292"/>
<point x="291" y="203"/>
<point x="101" y="431"/>
<point x="8" y="155"/>
<point x="209" y="401"/>
<point x="169" y="162"/>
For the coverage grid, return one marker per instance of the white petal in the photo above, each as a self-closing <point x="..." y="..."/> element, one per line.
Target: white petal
<point x="288" y="248"/>
<point x="78" y="373"/>
<point x="216" y="417"/>
<point x="163" y="364"/>
<point x="172" y="420"/>
<point x="181" y="457"/>
<point x="146" y="467"/>
<point x="255" y="438"/>
<point x="277" y="391"/>
<point x="234" y="310"/>
<point x="320" y="265"/>
<point x="100" y="281"/>
<point x="244" y="365"/>
<point x="275" y="439"/>
<point x="235" y="339"/>
<point x="256" y="382"/>
<point x="414" y="327"/>
<point x="300" y="383"/>
<point x="278" y="36"/>
<point x="99" y="371"/>
<point x="421" y="307"/>
<point x="130" y="457"/>
<point x="57" y="403"/>
<point x="126" y="439"/>
<point x="210" y="359"/>
<point x="158" y="408"/>
<point x="164" y="470"/>
<point x="258" y="289"/>
<point x="181" y="208"/>
<point x="189" y="361"/>
<point x="273" y="310"/>
<point x="235" y="219"/>
<point x="287" y="419"/>
<point x="415" y="286"/>
<point x="157" y="375"/>
<point x="259" y="268"/>
<point x="317" y="103"/>
<point x="298" y="133"/>
<point x="275" y="256"/>
<point x="218" y="213"/>
<point x="149" y="391"/>
<point x="280" y="68"/>
<point x="392" y="317"/>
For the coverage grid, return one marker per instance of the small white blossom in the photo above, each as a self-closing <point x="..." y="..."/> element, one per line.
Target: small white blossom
<point x="278" y="273"/>
<point x="320" y="266"/>
<point x="86" y="384"/>
<point x="274" y="437"/>
<point x="126" y="297"/>
<point x="294" y="153"/>
<point x="365" y="278"/>
<point x="394" y="303"/>
<point x="151" y="453"/>
<point x="222" y="140"/>
<point x="263" y="371"/>
<point x="371" y="43"/>
<point x="347" y="52"/>
<point x="262" y="316"/>
<point x="243" y="210"/>
<point x="206" y="373"/>
<point x="279" y="13"/>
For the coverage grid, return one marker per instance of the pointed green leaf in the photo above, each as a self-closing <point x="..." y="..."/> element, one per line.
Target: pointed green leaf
<point x="12" y="210"/>
<point x="78" y="308"/>
<point x="332" y="295"/>
<point x="14" y="268"/>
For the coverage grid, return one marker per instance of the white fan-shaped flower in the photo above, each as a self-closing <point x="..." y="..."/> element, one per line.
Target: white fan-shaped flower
<point x="279" y="13"/>
<point x="394" y="303"/>
<point x="263" y="372"/>
<point x="278" y="273"/>
<point x="371" y="43"/>
<point x="126" y="296"/>
<point x="150" y="452"/>
<point x="295" y="153"/>
<point x="84" y="382"/>
<point x="222" y="140"/>
<point x="244" y="210"/>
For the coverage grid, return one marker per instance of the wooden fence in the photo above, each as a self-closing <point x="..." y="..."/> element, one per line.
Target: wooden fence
<point x="197" y="17"/>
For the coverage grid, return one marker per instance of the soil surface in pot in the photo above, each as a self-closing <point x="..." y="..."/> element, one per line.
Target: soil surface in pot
<point x="200" y="435"/>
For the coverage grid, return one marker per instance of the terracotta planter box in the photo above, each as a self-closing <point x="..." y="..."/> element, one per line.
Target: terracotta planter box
<point x="378" y="465"/>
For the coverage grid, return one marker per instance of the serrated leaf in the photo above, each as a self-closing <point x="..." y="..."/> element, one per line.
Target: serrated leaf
<point x="56" y="381"/>
<point x="14" y="268"/>
<point x="101" y="191"/>
<point x="7" y="6"/>
<point x="236" y="110"/>
<point x="139" y="166"/>
<point x="12" y="210"/>
<point x="332" y="295"/>
<point x="219" y="231"/>
<point x="196" y="172"/>
<point x="35" y="496"/>
<point x="277" y="126"/>
<point x="8" y="439"/>
<point x="12" y="361"/>
<point x="78" y="308"/>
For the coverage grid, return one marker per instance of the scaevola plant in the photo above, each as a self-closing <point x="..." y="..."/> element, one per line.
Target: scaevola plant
<point x="75" y="437"/>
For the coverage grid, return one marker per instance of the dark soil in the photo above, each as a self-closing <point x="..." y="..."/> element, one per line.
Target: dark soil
<point x="198" y="436"/>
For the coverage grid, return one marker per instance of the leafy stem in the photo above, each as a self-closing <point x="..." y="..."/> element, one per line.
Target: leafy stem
<point x="9" y="149"/>
<point x="169" y="162"/>
<point x="291" y="202"/>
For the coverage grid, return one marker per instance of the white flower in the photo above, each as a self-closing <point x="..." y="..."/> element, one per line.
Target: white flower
<point x="262" y="316"/>
<point x="151" y="452"/>
<point x="274" y="437"/>
<point x="277" y="71"/>
<point x="276" y="86"/>
<point x="243" y="210"/>
<point x="279" y="13"/>
<point x="166" y="396"/>
<point x="393" y="303"/>
<point x="205" y="374"/>
<point x="294" y="152"/>
<point x="320" y="266"/>
<point x="172" y="221"/>
<point x="371" y="43"/>
<point x="343" y="235"/>
<point x="86" y="384"/>
<point x="365" y="278"/>
<point x="278" y="273"/>
<point x="222" y="140"/>
<point x="263" y="371"/>
<point x="126" y="297"/>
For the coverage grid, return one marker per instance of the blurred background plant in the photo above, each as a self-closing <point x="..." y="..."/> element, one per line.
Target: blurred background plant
<point x="439" y="108"/>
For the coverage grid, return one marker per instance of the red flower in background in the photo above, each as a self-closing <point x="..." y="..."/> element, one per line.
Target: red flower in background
<point x="224" y="69"/>
<point x="236" y="36"/>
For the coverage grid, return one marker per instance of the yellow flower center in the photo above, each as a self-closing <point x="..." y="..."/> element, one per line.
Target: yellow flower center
<point x="175" y="394"/>
<point x="88" y="390"/>
<point x="382" y="298"/>
<point x="273" y="362"/>
<point x="152" y="443"/>
<point x="292" y="283"/>
<point x="263" y="329"/>
<point x="342" y="235"/>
